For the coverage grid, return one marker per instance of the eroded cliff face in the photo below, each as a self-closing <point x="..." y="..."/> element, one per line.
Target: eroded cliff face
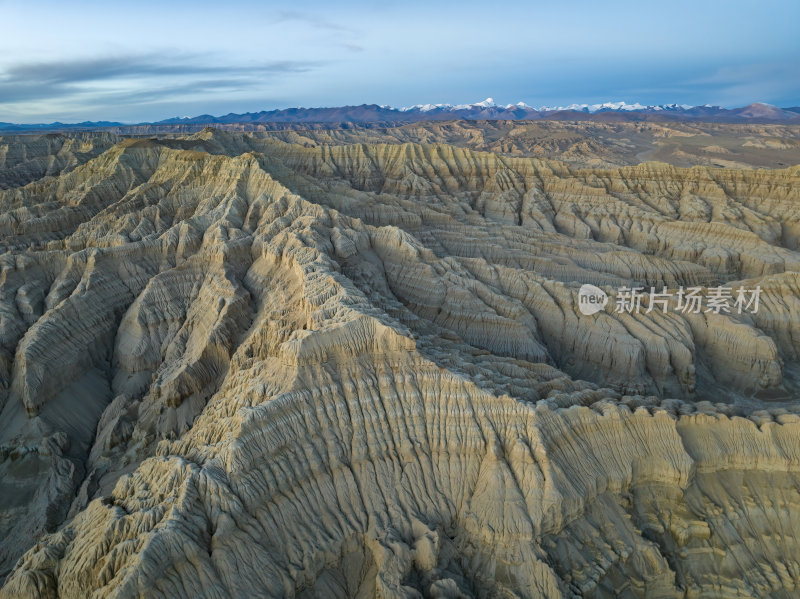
<point x="232" y="366"/>
<point x="582" y="144"/>
<point x="27" y="158"/>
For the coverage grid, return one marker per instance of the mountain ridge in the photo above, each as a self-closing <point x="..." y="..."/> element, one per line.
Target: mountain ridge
<point x="236" y="366"/>
<point x="757" y="112"/>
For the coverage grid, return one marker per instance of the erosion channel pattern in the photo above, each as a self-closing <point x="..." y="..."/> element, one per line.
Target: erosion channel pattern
<point x="234" y="366"/>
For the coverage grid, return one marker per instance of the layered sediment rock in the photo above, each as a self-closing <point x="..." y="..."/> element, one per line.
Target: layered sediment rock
<point x="231" y="366"/>
<point x="27" y="158"/>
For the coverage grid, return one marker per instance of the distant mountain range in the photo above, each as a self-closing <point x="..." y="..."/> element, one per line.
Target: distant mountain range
<point x="487" y="110"/>
<point x="46" y="127"/>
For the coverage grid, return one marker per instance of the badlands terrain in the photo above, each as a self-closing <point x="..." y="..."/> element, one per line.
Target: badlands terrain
<point x="329" y="363"/>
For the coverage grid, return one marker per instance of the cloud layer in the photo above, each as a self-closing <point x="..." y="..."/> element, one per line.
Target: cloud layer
<point x="135" y="78"/>
<point x="154" y="60"/>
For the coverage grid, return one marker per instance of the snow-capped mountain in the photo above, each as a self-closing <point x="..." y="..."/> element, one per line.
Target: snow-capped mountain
<point x="487" y="103"/>
<point x="617" y="106"/>
<point x="488" y="109"/>
<point x="590" y="108"/>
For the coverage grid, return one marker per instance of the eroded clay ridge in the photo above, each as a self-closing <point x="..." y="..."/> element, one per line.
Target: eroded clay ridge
<point x="587" y="144"/>
<point x="232" y="366"/>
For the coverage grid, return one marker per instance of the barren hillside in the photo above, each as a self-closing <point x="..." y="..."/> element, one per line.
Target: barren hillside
<point x="353" y="364"/>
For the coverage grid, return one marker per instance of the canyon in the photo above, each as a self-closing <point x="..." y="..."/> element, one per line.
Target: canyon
<point x="350" y="362"/>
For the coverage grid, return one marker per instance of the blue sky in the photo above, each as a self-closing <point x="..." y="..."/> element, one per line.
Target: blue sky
<point x="144" y="60"/>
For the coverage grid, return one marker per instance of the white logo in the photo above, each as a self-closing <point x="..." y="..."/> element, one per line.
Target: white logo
<point x="591" y="299"/>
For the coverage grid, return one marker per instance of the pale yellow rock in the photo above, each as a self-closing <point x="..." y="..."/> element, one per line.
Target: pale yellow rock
<point x="234" y="367"/>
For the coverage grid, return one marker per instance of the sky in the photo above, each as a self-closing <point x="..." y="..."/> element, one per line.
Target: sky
<point x="147" y="61"/>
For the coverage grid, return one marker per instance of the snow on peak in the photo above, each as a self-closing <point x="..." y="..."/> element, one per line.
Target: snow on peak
<point x="599" y="107"/>
<point x="425" y="107"/>
<point x="487" y="103"/>
<point x="621" y="106"/>
<point x="590" y="108"/>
